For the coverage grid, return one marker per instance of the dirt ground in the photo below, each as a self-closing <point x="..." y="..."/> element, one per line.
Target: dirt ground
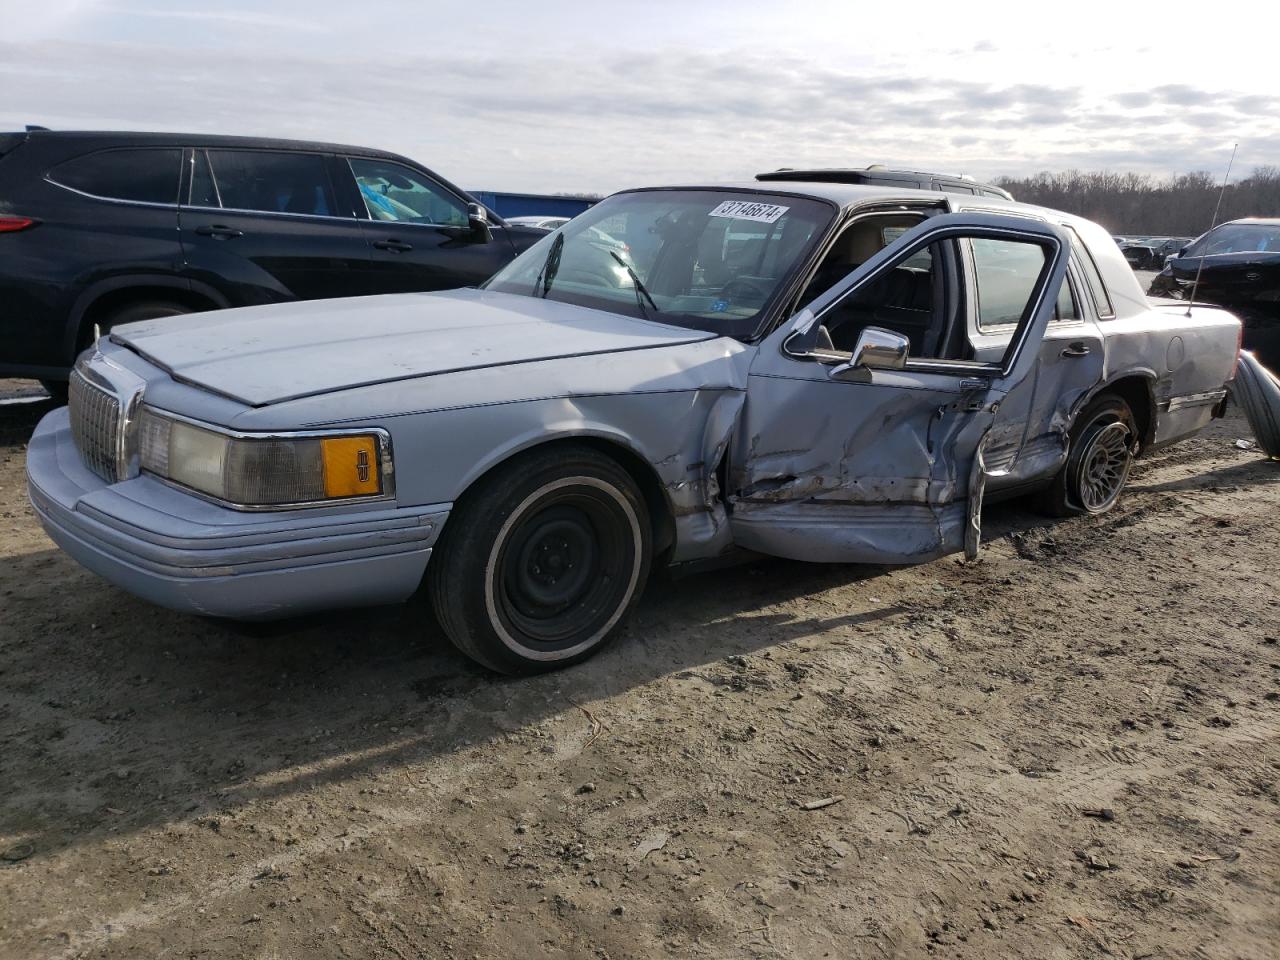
<point x="1070" y="748"/>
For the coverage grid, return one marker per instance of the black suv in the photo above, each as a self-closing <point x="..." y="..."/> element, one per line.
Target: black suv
<point x="98" y="229"/>
<point x="878" y="175"/>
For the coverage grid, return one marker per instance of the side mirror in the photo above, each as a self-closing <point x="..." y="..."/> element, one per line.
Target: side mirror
<point x="880" y="349"/>
<point x="876" y="349"/>
<point x="478" y="220"/>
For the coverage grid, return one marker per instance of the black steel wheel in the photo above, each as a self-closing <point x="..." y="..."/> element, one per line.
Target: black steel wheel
<point x="540" y="563"/>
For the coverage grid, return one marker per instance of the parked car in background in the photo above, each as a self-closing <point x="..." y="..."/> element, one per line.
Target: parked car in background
<point x="879" y="175"/>
<point x="1238" y="264"/>
<point x="1150" y="253"/>
<point x="541" y="223"/>
<point x="99" y="229"/>
<point x="508" y="204"/>
<point x="816" y="371"/>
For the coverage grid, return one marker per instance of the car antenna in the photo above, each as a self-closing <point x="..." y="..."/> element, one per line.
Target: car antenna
<point x="1196" y="285"/>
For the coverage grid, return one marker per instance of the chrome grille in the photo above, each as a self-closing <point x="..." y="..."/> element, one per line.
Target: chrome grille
<point x="95" y="425"/>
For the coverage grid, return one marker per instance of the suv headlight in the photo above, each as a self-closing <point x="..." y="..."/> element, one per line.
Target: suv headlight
<point x="250" y="471"/>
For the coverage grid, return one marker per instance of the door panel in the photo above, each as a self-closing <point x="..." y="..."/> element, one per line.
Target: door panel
<point x="1070" y="363"/>
<point x="877" y="465"/>
<point x="262" y="227"/>
<point x="847" y="471"/>
<point x="404" y="258"/>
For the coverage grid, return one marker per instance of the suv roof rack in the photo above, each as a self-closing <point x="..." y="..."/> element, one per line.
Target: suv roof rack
<point x="879" y="172"/>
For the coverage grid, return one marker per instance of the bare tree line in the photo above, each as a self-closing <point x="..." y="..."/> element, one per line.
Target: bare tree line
<point x="1137" y="203"/>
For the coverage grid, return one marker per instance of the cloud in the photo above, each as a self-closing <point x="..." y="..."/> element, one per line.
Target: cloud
<point x="607" y="120"/>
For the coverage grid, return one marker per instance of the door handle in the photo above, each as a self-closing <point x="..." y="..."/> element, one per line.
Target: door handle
<point x="1077" y="349"/>
<point x="399" y="246"/>
<point x="218" y="231"/>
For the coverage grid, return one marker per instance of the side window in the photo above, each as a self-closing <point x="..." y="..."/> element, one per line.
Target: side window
<point x="395" y="192"/>
<point x="857" y="244"/>
<point x="203" y="191"/>
<point x="1005" y="274"/>
<point x="1065" y="310"/>
<point x="922" y="297"/>
<point x="1092" y="277"/>
<point x="271" y="181"/>
<point x="907" y="299"/>
<point x="144" y="175"/>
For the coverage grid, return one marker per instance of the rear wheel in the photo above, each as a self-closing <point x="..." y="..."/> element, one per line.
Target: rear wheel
<point x="1099" y="459"/>
<point x="540" y="563"/>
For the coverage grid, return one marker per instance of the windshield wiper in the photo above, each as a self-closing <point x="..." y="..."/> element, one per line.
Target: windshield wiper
<point x="550" y="266"/>
<point x="637" y="285"/>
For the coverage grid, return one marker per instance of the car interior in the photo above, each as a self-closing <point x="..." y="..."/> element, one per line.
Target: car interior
<point x="911" y="299"/>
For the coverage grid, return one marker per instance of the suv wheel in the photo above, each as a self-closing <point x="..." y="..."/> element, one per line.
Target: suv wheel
<point x="132" y="313"/>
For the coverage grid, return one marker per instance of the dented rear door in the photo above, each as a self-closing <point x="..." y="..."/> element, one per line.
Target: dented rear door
<point x="882" y="466"/>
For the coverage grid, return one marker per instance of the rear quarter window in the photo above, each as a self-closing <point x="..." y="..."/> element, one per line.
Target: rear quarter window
<point x="1092" y="278"/>
<point x="147" y="175"/>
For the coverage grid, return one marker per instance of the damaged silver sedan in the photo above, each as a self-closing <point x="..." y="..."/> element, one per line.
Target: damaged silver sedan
<point x="821" y="372"/>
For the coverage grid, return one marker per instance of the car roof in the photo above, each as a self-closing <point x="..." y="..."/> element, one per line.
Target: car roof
<point x="1253" y="221"/>
<point x="847" y="196"/>
<point x="129" y="138"/>
<point x="841" y="194"/>
<point x="872" y="173"/>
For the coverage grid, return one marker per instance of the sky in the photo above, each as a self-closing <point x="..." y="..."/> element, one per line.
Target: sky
<point x="551" y="95"/>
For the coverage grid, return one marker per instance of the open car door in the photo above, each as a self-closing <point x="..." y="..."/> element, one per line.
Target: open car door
<point x="868" y="412"/>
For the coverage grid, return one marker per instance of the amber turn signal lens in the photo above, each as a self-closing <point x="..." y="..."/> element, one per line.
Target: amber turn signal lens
<point x="351" y="467"/>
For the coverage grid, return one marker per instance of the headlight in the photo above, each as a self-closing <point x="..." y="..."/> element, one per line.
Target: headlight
<point x="265" y="471"/>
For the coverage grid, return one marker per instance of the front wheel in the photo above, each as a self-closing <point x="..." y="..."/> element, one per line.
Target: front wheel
<point x="540" y="562"/>
<point x="1099" y="459"/>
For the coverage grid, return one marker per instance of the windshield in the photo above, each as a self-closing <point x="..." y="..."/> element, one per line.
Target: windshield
<point x="707" y="259"/>
<point x="1238" y="238"/>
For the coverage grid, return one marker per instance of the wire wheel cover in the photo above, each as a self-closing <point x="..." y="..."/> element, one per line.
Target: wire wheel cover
<point x="1104" y="467"/>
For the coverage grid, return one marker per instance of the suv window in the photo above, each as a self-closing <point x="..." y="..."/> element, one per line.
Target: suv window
<point x="203" y="191"/>
<point x="144" y="175"/>
<point x="392" y="191"/>
<point x="267" y="180"/>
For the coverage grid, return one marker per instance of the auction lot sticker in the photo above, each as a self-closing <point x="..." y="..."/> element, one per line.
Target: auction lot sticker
<point x="749" y="210"/>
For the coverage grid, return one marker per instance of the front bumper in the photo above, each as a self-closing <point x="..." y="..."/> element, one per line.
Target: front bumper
<point x="185" y="553"/>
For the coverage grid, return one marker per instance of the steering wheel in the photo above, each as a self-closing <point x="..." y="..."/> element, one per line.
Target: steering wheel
<point x="740" y="288"/>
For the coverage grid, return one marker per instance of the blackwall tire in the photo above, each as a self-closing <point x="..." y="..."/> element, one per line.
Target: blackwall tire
<point x="542" y="561"/>
<point x="1099" y="458"/>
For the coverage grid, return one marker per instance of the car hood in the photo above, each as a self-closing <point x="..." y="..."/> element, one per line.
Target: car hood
<point x="265" y="355"/>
